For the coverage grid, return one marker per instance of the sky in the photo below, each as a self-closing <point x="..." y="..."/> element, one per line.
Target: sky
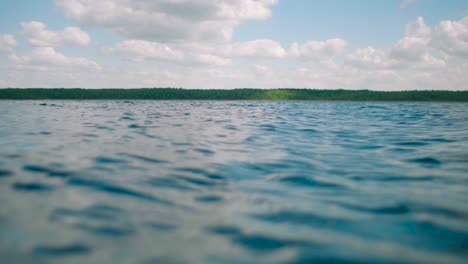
<point x="333" y="44"/>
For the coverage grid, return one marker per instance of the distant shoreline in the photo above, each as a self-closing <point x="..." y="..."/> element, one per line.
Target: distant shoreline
<point x="233" y="94"/>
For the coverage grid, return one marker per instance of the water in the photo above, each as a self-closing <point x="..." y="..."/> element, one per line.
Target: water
<point x="233" y="182"/>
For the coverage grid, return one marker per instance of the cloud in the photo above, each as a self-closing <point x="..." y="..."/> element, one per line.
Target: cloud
<point x="7" y="43"/>
<point x="37" y="35"/>
<point x="406" y="3"/>
<point x="210" y="59"/>
<point x="47" y="58"/>
<point x="451" y="37"/>
<point x="167" y="20"/>
<point x="370" y="58"/>
<point x="414" y="45"/>
<point x="413" y="50"/>
<point x="318" y="49"/>
<point x="140" y="50"/>
<point x="222" y="54"/>
<point x="267" y="48"/>
<point x="261" y="69"/>
<point x="257" y="48"/>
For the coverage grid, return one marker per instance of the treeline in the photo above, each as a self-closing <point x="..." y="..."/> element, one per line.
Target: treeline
<point x="234" y="94"/>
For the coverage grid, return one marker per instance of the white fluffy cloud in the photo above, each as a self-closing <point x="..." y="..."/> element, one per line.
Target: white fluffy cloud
<point x="257" y="48"/>
<point x="139" y="50"/>
<point x="419" y="47"/>
<point x="7" y="42"/>
<point x="370" y="58"/>
<point x="452" y="37"/>
<point x="318" y="49"/>
<point x="414" y="45"/>
<point x="37" y="35"/>
<point x="413" y="50"/>
<point x="222" y="54"/>
<point x="167" y="20"/>
<point x="47" y="58"/>
<point x="209" y="59"/>
<point x="36" y="67"/>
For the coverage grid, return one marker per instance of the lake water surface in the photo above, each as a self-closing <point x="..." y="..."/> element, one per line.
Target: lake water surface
<point x="233" y="182"/>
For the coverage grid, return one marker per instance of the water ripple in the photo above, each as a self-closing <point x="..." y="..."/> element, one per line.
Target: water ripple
<point x="32" y="187"/>
<point x="307" y="182"/>
<point x="49" y="171"/>
<point x="115" y="190"/>
<point x="63" y="250"/>
<point x="5" y="173"/>
<point x="255" y="242"/>
<point x="233" y="182"/>
<point x="143" y="158"/>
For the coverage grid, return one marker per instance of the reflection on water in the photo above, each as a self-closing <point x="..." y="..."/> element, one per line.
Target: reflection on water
<point x="233" y="182"/>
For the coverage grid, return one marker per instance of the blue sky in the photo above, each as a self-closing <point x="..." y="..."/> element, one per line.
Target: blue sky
<point x="363" y="22"/>
<point x="266" y="43"/>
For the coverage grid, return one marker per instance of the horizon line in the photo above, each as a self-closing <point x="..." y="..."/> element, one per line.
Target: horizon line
<point x="237" y="88"/>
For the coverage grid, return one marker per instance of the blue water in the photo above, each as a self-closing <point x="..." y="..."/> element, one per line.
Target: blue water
<point x="233" y="182"/>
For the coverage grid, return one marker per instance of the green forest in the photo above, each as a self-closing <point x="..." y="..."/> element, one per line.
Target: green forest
<point x="234" y="94"/>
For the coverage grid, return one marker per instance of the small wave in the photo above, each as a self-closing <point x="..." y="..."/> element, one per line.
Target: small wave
<point x="303" y="218"/>
<point x="108" y="160"/>
<point x="255" y="242"/>
<point x="209" y="199"/>
<point x="398" y="209"/>
<point x="307" y="182"/>
<point x="201" y="172"/>
<point x="181" y="144"/>
<point x="168" y="183"/>
<point x="5" y="173"/>
<point x="36" y="168"/>
<point x="62" y="250"/>
<point x="135" y="126"/>
<point x="115" y="190"/>
<point x="127" y="118"/>
<point x="143" y="158"/>
<point x="230" y="127"/>
<point x="441" y="140"/>
<point x="106" y="230"/>
<point x="101" y="127"/>
<point x="32" y="187"/>
<point x="427" y="161"/>
<point x="43" y="133"/>
<point x="394" y="178"/>
<point x="309" y="130"/>
<point x="224" y="230"/>
<point x="412" y="143"/>
<point x="95" y="212"/>
<point x="161" y="226"/>
<point x="203" y="151"/>
<point x="49" y="171"/>
<point x="196" y="181"/>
